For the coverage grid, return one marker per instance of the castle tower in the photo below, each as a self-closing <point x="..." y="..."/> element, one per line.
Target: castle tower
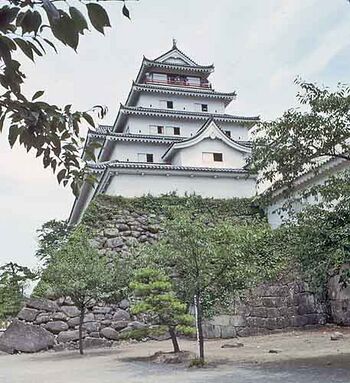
<point x="171" y="135"/>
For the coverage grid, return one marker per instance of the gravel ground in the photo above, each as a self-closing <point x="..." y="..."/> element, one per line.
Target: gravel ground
<point x="302" y="357"/>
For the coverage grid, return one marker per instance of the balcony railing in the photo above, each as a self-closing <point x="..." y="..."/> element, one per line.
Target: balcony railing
<point x="184" y="83"/>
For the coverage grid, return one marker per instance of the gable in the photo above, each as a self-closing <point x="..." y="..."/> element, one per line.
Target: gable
<point x="175" y="56"/>
<point x="208" y="131"/>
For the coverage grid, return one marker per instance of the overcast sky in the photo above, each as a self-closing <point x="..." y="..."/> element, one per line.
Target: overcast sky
<point x="258" y="48"/>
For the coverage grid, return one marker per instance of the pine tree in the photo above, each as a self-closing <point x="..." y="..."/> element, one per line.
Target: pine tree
<point x="156" y="299"/>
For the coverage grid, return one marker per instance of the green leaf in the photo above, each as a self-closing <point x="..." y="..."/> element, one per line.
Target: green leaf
<point x="29" y="21"/>
<point x="98" y="16"/>
<point x="126" y="12"/>
<point x="65" y="30"/>
<point x="51" y="44"/>
<point x="79" y="20"/>
<point x="25" y="47"/>
<point x="13" y="134"/>
<point x="60" y="175"/>
<point x="2" y="119"/>
<point x="89" y="119"/>
<point x="37" y="94"/>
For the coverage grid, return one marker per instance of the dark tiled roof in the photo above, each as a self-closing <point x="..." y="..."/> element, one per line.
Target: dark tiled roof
<point x="186" y="114"/>
<point x="103" y="129"/>
<point x="183" y="90"/>
<point x="160" y="166"/>
<point x="204" y="68"/>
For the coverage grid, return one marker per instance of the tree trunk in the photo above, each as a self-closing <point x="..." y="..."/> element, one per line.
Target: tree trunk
<point x="174" y="339"/>
<point x="199" y="327"/>
<point x="81" y="322"/>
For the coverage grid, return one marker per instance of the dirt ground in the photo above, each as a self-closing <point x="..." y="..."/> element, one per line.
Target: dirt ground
<point x="299" y="357"/>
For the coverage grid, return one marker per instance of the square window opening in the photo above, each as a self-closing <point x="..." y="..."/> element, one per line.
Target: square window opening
<point x="170" y="105"/>
<point x="217" y="157"/>
<point x="204" y="107"/>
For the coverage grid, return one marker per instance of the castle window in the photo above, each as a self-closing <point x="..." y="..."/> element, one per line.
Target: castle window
<point x="145" y="157"/>
<point x="228" y="133"/>
<point x="204" y="107"/>
<point x="170" y="105"/>
<point x="176" y="131"/>
<point x="209" y="157"/>
<point x="160" y="129"/>
<point x="149" y="157"/>
<point x="217" y="157"/>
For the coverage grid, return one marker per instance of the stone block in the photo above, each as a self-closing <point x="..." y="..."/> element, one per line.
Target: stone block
<point x="211" y="332"/>
<point x="56" y="326"/>
<point x="91" y="326"/>
<point x="92" y="342"/>
<point x="24" y="337"/>
<point x="237" y="321"/>
<point x="69" y="336"/>
<point x="42" y="304"/>
<point x="42" y="318"/>
<point x="70" y="311"/>
<point x="221" y="320"/>
<point x="109" y="333"/>
<point x="27" y="314"/>
<point x="118" y="325"/>
<point x="59" y="315"/>
<point x="101" y="309"/>
<point x="121" y="315"/>
<point x="227" y="332"/>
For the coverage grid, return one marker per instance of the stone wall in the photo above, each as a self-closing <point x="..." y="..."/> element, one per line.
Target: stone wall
<point x="118" y="226"/>
<point x="268" y="308"/>
<point x="58" y="321"/>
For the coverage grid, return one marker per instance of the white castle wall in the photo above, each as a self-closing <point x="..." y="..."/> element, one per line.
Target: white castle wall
<point x="193" y="155"/>
<point x="188" y="128"/>
<point x="128" y="151"/>
<point x="184" y="103"/>
<point x="138" y="185"/>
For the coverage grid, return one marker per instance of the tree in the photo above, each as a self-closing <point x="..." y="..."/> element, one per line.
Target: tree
<point x="298" y="141"/>
<point x="156" y="299"/>
<point x="318" y="243"/>
<point x="53" y="132"/>
<point x="77" y="271"/>
<point x="52" y="236"/>
<point x="209" y="262"/>
<point x="13" y="281"/>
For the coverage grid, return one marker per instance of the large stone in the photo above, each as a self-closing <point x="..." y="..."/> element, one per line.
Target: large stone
<point x="91" y="326"/>
<point x="102" y="309"/>
<point x="124" y="304"/>
<point x="42" y="304"/>
<point x="111" y="233"/>
<point x="113" y="243"/>
<point x="119" y="325"/>
<point x="69" y="336"/>
<point x="24" y="337"/>
<point x="121" y="315"/>
<point x="42" y="318"/>
<point x="93" y="342"/>
<point x="70" y="311"/>
<point x="109" y="333"/>
<point x="56" y="326"/>
<point x="59" y="316"/>
<point x="123" y="227"/>
<point x="89" y="317"/>
<point x="135" y="325"/>
<point x="28" y="314"/>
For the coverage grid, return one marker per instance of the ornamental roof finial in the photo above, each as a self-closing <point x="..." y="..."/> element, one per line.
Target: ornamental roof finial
<point x="174" y="44"/>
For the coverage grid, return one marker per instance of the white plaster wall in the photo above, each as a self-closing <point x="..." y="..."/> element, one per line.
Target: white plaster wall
<point x="193" y="155"/>
<point x="128" y="151"/>
<point x="188" y="128"/>
<point x="276" y="217"/>
<point x="187" y="103"/>
<point x="136" y="185"/>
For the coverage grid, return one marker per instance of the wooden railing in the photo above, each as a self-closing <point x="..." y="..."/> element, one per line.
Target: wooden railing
<point x="183" y="83"/>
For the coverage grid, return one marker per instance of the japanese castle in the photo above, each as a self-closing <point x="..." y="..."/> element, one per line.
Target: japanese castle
<point x="172" y="135"/>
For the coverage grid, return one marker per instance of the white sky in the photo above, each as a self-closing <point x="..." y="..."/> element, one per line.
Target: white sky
<point x="258" y="48"/>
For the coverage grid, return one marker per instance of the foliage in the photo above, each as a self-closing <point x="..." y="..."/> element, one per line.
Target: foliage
<point x="104" y="208"/>
<point x="302" y="139"/>
<point x="13" y="281"/>
<point x="53" y="132"/>
<point x="52" y="236"/>
<point x="155" y="298"/>
<point x="77" y="271"/>
<point x="210" y="260"/>
<point x="319" y="241"/>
